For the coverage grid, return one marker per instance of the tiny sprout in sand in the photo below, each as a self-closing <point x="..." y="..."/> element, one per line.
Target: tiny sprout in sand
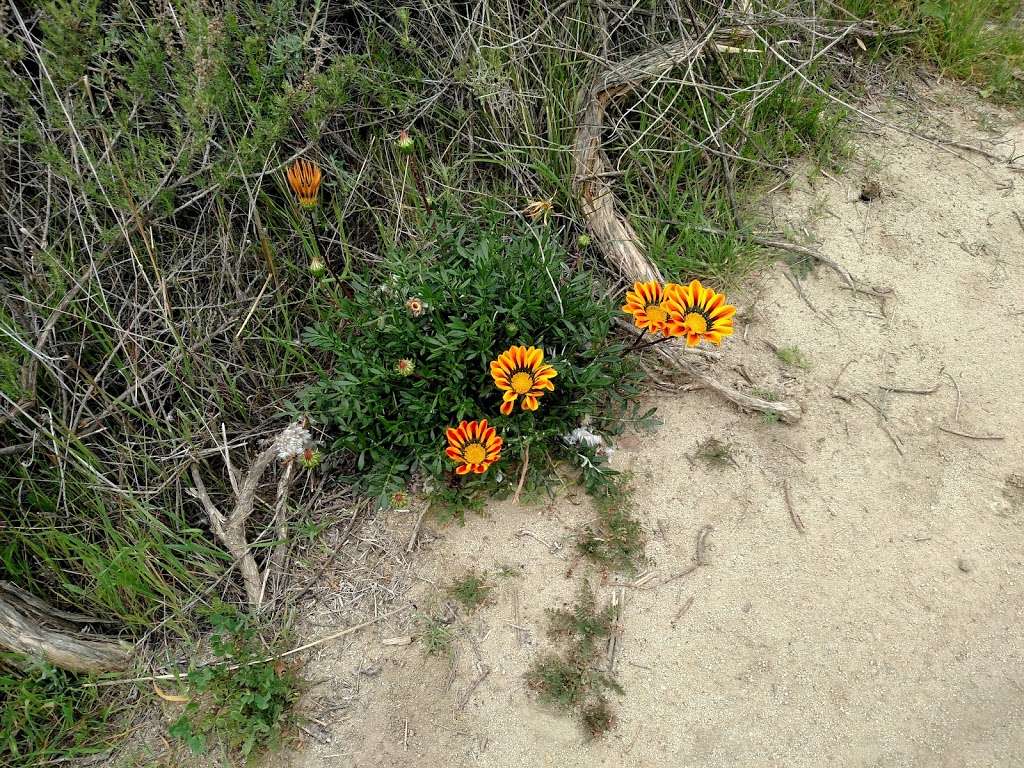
<point x="304" y="179"/>
<point x="473" y="446"/>
<point x="521" y="372"/>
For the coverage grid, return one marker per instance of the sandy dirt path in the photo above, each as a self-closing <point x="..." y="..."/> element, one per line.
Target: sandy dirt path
<point x="890" y="632"/>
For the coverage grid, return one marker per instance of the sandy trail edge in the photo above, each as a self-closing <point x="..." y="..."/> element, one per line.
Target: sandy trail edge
<point x="889" y="634"/>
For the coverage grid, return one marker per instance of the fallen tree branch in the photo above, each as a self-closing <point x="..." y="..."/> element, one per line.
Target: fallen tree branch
<point x="30" y="626"/>
<point x="788" y="412"/>
<point x="613" y="234"/>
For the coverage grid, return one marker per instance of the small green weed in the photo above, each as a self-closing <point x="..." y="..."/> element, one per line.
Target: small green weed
<point x="616" y="540"/>
<point x="792" y="356"/>
<point x="571" y="680"/>
<point x="472" y="590"/>
<point x="716" y="452"/>
<point x="435" y="636"/>
<point x="597" y="717"/>
<point x="767" y="394"/>
<point x="242" y="702"/>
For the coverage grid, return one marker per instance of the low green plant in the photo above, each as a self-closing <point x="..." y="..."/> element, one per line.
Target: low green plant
<point x="793" y="356"/>
<point x="240" y="700"/>
<point x="616" y="540"/>
<point x="450" y="301"/>
<point x="571" y="679"/>
<point x="472" y="590"/>
<point x="716" y="452"/>
<point x="47" y="714"/>
<point x="435" y="636"/>
<point x="767" y="394"/>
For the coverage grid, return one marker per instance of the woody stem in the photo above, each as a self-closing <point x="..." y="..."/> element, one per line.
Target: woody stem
<point x="636" y="341"/>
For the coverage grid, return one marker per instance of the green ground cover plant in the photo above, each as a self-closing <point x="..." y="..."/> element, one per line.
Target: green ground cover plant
<point x="480" y="287"/>
<point x="237" y="701"/>
<point x="570" y="678"/>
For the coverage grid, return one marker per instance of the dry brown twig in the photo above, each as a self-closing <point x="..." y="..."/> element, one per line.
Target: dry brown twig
<point x="798" y="523"/>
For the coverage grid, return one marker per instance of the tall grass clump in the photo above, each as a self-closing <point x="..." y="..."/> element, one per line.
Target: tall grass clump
<point x="980" y="41"/>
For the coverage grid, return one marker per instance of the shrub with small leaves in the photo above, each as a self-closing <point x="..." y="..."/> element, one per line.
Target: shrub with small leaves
<point x="478" y="287"/>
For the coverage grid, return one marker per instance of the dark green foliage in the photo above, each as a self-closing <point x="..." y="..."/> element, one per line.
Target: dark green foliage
<point x="486" y="285"/>
<point x="571" y="679"/>
<point x="240" y="700"/>
<point x="46" y="714"/>
<point x="617" y="539"/>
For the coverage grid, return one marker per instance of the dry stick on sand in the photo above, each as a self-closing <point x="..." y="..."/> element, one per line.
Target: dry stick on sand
<point x="700" y="559"/>
<point x="970" y="435"/>
<point x="916" y="391"/>
<point x="612" y="233"/>
<point x="522" y="474"/>
<point x="312" y="644"/>
<point x="683" y="610"/>
<point x="793" y="514"/>
<point x="615" y="640"/>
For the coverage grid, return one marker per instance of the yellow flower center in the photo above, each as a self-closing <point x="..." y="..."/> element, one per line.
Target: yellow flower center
<point x="694" y="322"/>
<point x="655" y="313"/>
<point x="474" y="453"/>
<point x="522" y="383"/>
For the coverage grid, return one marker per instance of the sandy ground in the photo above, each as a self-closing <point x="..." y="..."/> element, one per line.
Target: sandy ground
<point x="890" y="632"/>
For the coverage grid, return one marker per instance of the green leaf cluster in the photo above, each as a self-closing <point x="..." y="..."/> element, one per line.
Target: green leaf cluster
<point x="485" y="285"/>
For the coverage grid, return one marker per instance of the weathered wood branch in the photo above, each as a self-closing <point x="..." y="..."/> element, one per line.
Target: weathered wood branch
<point x="613" y="234"/>
<point x="230" y="529"/>
<point x="30" y="626"/>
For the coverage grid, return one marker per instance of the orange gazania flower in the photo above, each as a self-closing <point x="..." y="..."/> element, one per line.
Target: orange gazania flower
<point x="698" y="313"/>
<point x="473" y="445"/>
<point x="644" y="303"/>
<point x="521" y="372"/>
<point x="304" y="179"/>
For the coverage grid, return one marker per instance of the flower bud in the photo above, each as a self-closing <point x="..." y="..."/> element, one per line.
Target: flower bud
<point x="405" y="143"/>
